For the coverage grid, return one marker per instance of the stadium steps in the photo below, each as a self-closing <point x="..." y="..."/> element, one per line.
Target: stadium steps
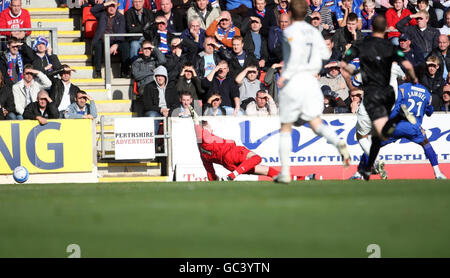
<point x="118" y="169"/>
<point x="49" y="12"/>
<point x="118" y="105"/>
<point x="66" y="24"/>
<point x="74" y="48"/>
<point x="33" y="4"/>
<point x="74" y="51"/>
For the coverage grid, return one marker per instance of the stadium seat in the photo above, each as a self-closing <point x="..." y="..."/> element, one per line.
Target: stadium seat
<point x="89" y="23"/>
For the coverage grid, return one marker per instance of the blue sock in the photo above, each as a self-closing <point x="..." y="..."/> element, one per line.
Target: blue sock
<point x="363" y="162"/>
<point x="430" y="154"/>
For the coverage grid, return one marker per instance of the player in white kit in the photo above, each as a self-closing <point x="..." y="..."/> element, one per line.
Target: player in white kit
<point x="304" y="52"/>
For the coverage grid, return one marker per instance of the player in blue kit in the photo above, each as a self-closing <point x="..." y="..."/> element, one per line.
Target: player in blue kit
<point x="418" y="101"/>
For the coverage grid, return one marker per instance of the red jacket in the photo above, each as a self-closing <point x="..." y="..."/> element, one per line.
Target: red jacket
<point x="212" y="149"/>
<point x="21" y="21"/>
<point x="392" y="19"/>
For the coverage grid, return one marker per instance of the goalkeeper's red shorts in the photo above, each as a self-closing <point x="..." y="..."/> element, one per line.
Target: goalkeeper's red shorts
<point x="234" y="157"/>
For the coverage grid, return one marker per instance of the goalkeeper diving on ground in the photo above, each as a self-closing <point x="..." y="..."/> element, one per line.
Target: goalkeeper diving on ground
<point x="237" y="159"/>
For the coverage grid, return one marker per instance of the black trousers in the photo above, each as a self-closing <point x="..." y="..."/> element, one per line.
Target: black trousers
<point x="124" y="50"/>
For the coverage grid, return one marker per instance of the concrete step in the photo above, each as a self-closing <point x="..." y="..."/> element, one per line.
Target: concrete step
<point x="49" y="12"/>
<point x="72" y="48"/>
<point x="63" y="36"/>
<point x="39" y="4"/>
<point x="96" y="94"/>
<point x="60" y="23"/>
<point x="110" y="116"/>
<point x="82" y="71"/>
<point x="113" y="105"/>
<point x="89" y="83"/>
<point x="128" y="169"/>
<point x="75" y="59"/>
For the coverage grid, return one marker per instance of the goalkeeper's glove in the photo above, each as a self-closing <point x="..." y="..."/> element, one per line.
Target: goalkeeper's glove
<point x="193" y="114"/>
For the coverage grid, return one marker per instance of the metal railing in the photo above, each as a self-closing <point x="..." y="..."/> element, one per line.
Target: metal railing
<point x="107" y="46"/>
<point x="53" y="31"/>
<point x="165" y="136"/>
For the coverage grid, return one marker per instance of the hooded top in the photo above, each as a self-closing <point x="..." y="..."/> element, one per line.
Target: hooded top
<point x="161" y="70"/>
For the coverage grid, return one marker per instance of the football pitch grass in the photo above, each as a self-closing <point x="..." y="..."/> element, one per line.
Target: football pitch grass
<point x="405" y="218"/>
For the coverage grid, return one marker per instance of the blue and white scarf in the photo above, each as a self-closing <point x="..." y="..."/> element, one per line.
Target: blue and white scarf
<point x="19" y="63"/>
<point x="163" y="46"/>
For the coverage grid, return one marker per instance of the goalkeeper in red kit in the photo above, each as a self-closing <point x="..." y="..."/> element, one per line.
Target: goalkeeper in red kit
<point x="237" y="159"/>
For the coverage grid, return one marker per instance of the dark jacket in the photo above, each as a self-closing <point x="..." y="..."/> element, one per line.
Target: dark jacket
<point x="28" y="56"/>
<point x="133" y="25"/>
<point x="233" y="62"/>
<point x="274" y="44"/>
<point x="6" y="100"/>
<point x="186" y="35"/>
<point x="249" y="46"/>
<point x="176" y="24"/>
<point x="228" y="89"/>
<point x="435" y="86"/>
<point x="194" y="87"/>
<point x="175" y="63"/>
<point x="426" y="40"/>
<point x="267" y="21"/>
<point x="443" y="61"/>
<point x="40" y="64"/>
<point x="415" y="56"/>
<point x="102" y="18"/>
<point x="199" y="63"/>
<point x="57" y="91"/>
<point x="32" y="111"/>
<point x="151" y="97"/>
<point x="342" y="37"/>
<point x="151" y="34"/>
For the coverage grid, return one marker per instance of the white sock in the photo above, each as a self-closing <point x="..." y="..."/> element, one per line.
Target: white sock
<point x="437" y="171"/>
<point x="285" y="150"/>
<point x="365" y="144"/>
<point x="329" y="134"/>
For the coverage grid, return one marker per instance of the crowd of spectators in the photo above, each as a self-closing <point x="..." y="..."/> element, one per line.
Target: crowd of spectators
<point x="33" y="82"/>
<point x="223" y="56"/>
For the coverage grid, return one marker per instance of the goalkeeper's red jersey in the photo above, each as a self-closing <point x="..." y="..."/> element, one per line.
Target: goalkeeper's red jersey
<point x="212" y="149"/>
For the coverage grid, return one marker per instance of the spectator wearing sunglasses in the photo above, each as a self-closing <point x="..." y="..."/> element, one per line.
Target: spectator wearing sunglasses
<point x="433" y="81"/>
<point x="63" y="92"/>
<point x="223" y="30"/>
<point x="26" y="90"/>
<point x="422" y="35"/>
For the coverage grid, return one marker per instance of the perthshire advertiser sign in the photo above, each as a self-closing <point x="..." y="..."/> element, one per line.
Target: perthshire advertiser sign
<point x="134" y="138"/>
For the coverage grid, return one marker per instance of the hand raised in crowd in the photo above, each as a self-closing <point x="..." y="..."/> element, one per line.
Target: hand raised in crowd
<point x="113" y="49"/>
<point x="262" y="63"/>
<point x="49" y="50"/>
<point x="218" y="36"/>
<point x="41" y="120"/>
<point x="165" y="112"/>
<point x="48" y="67"/>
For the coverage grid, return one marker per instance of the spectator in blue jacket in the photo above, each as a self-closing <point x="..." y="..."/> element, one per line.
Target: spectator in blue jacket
<point x="368" y="13"/>
<point x="80" y="109"/>
<point x="194" y="33"/>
